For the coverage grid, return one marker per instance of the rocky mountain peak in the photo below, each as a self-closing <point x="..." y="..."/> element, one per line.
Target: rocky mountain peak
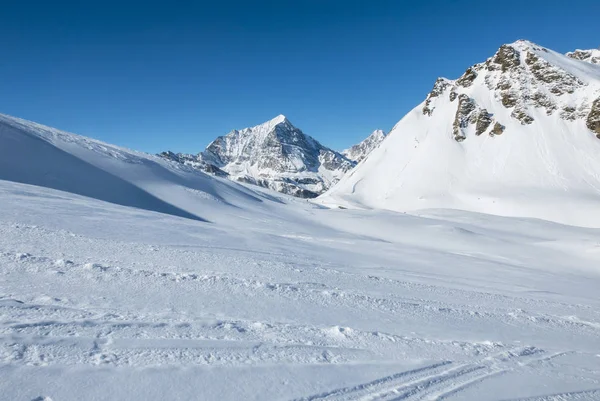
<point x="274" y="154"/>
<point x="269" y="125"/>
<point x="279" y="120"/>
<point x="590" y="56"/>
<point x="361" y="150"/>
<point x="524" y="78"/>
<point x="514" y="134"/>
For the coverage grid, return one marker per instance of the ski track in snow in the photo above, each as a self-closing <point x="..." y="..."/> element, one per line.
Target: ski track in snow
<point x="437" y="381"/>
<point x="39" y="330"/>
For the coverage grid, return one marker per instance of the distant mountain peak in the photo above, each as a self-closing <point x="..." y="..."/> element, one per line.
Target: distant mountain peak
<point x="279" y="119"/>
<point x="274" y="154"/>
<point x="523" y="44"/>
<point x="361" y="150"/>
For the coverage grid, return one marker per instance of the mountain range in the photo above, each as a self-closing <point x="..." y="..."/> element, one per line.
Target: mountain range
<point x="517" y="134"/>
<point x="278" y="156"/>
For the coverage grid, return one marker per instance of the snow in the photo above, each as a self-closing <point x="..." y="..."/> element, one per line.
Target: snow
<point x="126" y="276"/>
<point x="275" y="155"/>
<point x="361" y="150"/>
<point x="548" y="169"/>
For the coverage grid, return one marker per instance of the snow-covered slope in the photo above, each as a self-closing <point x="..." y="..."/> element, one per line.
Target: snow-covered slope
<point x="34" y="154"/>
<point x="274" y="155"/>
<point x="516" y="135"/>
<point x="361" y="150"/>
<point x="102" y="302"/>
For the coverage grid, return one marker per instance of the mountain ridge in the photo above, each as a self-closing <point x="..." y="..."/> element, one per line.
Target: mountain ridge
<point x="514" y="135"/>
<point x="275" y="155"/>
<point x="362" y="149"/>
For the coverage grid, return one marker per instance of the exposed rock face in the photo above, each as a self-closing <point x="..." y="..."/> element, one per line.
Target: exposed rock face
<point x="497" y="130"/>
<point x="484" y="119"/>
<point x="273" y="155"/>
<point x="522" y="116"/>
<point x="539" y="99"/>
<point x="507" y="57"/>
<point x="193" y="161"/>
<point x="568" y="113"/>
<point x="463" y="117"/>
<point x="590" y="56"/>
<point x="438" y="88"/>
<point x="468" y="77"/>
<point x="593" y="119"/>
<point x="522" y="77"/>
<point x="360" y="151"/>
<point x="509" y="99"/>
<point x="559" y="81"/>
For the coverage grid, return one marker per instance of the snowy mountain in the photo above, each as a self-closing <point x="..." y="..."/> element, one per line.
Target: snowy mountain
<point x="518" y="134"/>
<point x="590" y="56"/>
<point x="361" y="150"/>
<point x="35" y="154"/>
<point x="274" y="155"/>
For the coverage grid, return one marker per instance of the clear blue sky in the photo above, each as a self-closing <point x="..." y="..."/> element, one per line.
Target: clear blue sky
<point x="174" y="75"/>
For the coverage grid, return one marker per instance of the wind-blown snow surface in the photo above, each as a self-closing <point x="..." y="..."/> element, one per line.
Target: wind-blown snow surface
<point x="224" y="292"/>
<point x="540" y="159"/>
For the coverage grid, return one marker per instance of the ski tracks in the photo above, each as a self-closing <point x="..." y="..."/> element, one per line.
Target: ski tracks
<point x="437" y="381"/>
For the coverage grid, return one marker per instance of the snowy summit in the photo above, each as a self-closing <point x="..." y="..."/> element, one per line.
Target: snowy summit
<point x="361" y="150"/>
<point x="516" y="135"/>
<point x="274" y="155"/>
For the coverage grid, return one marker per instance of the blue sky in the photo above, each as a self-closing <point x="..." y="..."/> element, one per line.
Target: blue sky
<point x="174" y="75"/>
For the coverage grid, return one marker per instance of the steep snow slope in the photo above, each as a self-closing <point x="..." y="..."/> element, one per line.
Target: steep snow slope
<point x="361" y="150"/>
<point x="515" y="135"/>
<point x="274" y="155"/>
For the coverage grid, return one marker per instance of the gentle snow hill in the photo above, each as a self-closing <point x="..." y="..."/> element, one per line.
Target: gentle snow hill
<point x="517" y="135"/>
<point x="101" y="302"/>
<point x="34" y="154"/>
<point x="361" y="150"/>
<point x="274" y="155"/>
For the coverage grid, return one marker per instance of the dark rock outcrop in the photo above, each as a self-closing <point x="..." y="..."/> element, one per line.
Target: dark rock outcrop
<point x="497" y="130"/>
<point x="467" y="78"/>
<point x="438" y="88"/>
<point x="463" y="117"/>
<point x="484" y="119"/>
<point x="593" y="119"/>
<point x="522" y="116"/>
<point x="506" y="57"/>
